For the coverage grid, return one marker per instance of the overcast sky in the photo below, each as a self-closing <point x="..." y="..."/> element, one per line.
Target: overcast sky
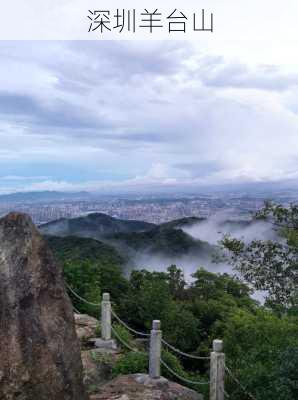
<point x="115" y="114"/>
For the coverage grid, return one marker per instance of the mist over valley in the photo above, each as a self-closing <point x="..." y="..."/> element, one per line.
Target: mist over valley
<point x="189" y="243"/>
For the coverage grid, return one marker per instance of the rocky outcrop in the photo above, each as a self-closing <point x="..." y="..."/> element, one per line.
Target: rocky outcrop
<point x="141" y="387"/>
<point x="86" y="326"/>
<point x="98" y="363"/>
<point x="39" y="349"/>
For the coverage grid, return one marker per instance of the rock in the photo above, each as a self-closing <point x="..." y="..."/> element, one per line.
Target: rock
<point x="39" y="349"/>
<point x="141" y="387"/>
<point x="86" y="326"/>
<point x="97" y="365"/>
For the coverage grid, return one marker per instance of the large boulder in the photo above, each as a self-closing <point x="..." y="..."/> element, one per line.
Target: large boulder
<point x="39" y="350"/>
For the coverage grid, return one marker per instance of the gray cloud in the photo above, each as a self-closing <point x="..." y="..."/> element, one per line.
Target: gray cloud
<point x="59" y="115"/>
<point x="159" y="112"/>
<point x="201" y="169"/>
<point x="215" y="72"/>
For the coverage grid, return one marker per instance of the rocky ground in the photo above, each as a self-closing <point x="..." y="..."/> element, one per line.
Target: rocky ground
<point x="141" y="387"/>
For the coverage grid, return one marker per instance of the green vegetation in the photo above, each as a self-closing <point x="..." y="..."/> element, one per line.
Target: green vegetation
<point x="121" y="333"/>
<point x="131" y="363"/>
<point x="72" y="248"/>
<point x="262" y="349"/>
<point x="164" y="240"/>
<point x="181" y="222"/>
<point x="96" y="226"/>
<point x="261" y="342"/>
<point x="269" y="265"/>
<point x="80" y="239"/>
<point x="137" y="362"/>
<point x="90" y="268"/>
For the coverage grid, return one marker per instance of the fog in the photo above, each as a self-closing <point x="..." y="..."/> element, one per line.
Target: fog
<point x="188" y="264"/>
<point x="213" y="229"/>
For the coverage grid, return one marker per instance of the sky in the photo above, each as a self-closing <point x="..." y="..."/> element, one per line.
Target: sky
<point x="147" y="115"/>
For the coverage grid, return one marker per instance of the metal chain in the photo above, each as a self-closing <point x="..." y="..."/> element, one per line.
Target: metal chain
<point x="180" y="377"/>
<point x="123" y="341"/>
<point x="182" y="352"/>
<point x="81" y="298"/>
<point x="236" y="380"/>
<point x="128" y="327"/>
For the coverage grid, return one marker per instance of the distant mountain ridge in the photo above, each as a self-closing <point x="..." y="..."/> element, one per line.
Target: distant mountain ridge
<point x="42" y="196"/>
<point x="95" y="225"/>
<point x="186" y="221"/>
<point x="130" y="238"/>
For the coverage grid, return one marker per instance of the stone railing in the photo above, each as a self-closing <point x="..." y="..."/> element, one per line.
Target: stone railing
<point x="217" y="357"/>
<point x="156" y="342"/>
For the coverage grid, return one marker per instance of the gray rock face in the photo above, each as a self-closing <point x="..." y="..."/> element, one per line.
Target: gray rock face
<point x="39" y="350"/>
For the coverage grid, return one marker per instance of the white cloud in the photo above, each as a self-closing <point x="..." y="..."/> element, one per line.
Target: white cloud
<point x="104" y="115"/>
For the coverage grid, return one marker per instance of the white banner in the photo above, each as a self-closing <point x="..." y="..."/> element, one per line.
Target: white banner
<point x="145" y="19"/>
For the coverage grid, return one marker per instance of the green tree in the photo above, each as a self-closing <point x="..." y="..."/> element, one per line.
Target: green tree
<point x="176" y="281"/>
<point x="261" y="351"/>
<point x="90" y="279"/>
<point x="271" y="266"/>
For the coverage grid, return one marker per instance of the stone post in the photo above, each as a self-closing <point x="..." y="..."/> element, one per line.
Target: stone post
<point x="155" y="350"/>
<point x="106" y="341"/>
<point x="106" y="317"/>
<point x="217" y="371"/>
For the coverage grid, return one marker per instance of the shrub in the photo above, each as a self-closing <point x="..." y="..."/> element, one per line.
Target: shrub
<point x="131" y="363"/>
<point x="174" y="363"/>
<point x="124" y="334"/>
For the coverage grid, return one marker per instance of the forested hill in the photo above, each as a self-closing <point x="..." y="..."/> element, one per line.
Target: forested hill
<point x="165" y="241"/>
<point x="128" y="237"/>
<point x="178" y="223"/>
<point x="72" y="248"/>
<point x="96" y="226"/>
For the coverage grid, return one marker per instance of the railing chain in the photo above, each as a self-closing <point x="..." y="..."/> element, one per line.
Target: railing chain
<point x="123" y="341"/>
<point x="181" y="377"/>
<point x="128" y="327"/>
<point x="182" y="352"/>
<point x="236" y="380"/>
<point x="81" y="298"/>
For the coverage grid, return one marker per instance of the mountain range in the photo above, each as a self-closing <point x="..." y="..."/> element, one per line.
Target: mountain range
<point x="127" y="239"/>
<point x="42" y="196"/>
<point x="95" y="225"/>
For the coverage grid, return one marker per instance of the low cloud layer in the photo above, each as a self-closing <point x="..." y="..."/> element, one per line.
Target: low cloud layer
<point x="223" y="223"/>
<point x="116" y="115"/>
<point x="212" y="230"/>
